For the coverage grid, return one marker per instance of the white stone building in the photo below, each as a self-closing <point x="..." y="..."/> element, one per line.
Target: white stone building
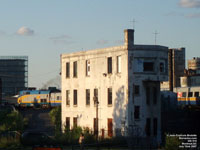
<point x="126" y="82"/>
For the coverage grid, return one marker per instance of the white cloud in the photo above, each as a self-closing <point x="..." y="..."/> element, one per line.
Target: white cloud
<point x="190" y="3"/>
<point x="25" y="31"/>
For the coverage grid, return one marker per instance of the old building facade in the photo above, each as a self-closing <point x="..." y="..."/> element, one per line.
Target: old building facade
<point x="124" y="80"/>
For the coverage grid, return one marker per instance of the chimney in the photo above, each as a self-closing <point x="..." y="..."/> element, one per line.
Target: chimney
<point x="129" y="37"/>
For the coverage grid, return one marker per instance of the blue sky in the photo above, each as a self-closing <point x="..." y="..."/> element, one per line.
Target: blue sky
<point x="44" y="29"/>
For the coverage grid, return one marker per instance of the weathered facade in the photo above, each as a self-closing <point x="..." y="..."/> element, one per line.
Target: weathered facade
<point x="176" y="61"/>
<point x="125" y="80"/>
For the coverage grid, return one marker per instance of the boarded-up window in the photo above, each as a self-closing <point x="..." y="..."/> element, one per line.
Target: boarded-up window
<point x="109" y="64"/>
<point x="67" y="97"/>
<point x="67" y="70"/>
<point x="118" y="64"/>
<point x="109" y="96"/>
<point x="87" y="96"/>
<point x="87" y="68"/>
<point x="75" y="69"/>
<point x="75" y="97"/>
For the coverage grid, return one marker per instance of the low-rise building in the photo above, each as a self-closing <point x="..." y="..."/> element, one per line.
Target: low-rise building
<point x="115" y="90"/>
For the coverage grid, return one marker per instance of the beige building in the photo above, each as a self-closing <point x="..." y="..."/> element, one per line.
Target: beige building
<point x="125" y="80"/>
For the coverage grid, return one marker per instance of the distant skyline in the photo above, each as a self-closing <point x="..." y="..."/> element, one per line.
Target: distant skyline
<point x="44" y="29"/>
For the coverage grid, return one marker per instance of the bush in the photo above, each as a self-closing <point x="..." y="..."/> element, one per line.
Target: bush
<point x="9" y="143"/>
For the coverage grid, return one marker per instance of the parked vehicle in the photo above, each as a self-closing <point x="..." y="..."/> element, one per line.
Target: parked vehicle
<point x="36" y="138"/>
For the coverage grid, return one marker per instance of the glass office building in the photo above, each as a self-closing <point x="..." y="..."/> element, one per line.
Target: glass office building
<point x="14" y="74"/>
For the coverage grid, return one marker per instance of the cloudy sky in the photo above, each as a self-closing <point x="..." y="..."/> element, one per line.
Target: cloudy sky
<point x="44" y="29"/>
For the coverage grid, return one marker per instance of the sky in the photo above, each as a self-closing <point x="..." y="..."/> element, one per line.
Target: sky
<point x="45" y="29"/>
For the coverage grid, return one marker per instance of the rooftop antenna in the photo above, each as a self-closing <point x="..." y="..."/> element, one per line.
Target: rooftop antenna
<point x="133" y="22"/>
<point x="156" y="33"/>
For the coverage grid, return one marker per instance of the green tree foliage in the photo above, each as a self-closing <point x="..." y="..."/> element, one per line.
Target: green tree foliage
<point x="55" y="115"/>
<point x="11" y="121"/>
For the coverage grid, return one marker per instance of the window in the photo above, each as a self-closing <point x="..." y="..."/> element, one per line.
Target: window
<point x="87" y="68"/>
<point x="155" y="126"/>
<point x="148" y="66"/>
<point x="67" y="122"/>
<point x="109" y="64"/>
<point x="196" y="94"/>
<point x="67" y="97"/>
<point x="75" y="97"/>
<point x="118" y="64"/>
<point x="137" y="112"/>
<point x="154" y="95"/>
<point x="67" y="70"/>
<point x="109" y="96"/>
<point x="184" y="94"/>
<point x="75" y="69"/>
<point x="190" y="94"/>
<point x="147" y="95"/>
<point x="136" y="89"/>
<point x="87" y="96"/>
<point x="162" y="69"/>
<point x="95" y="96"/>
<point x="58" y="98"/>
<point x="148" y="127"/>
<point x="43" y="100"/>
<point x="75" y="122"/>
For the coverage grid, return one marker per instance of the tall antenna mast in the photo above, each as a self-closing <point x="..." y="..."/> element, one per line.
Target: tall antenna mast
<point x="156" y="33"/>
<point x="133" y="22"/>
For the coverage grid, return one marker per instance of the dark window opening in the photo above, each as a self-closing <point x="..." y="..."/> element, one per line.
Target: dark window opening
<point x="75" y="122"/>
<point x="67" y="69"/>
<point x="155" y="126"/>
<point x="162" y="67"/>
<point x="137" y="112"/>
<point x="184" y="94"/>
<point x="109" y="64"/>
<point x="67" y="98"/>
<point x="67" y="122"/>
<point x="109" y="96"/>
<point x="148" y="66"/>
<point x="87" y="97"/>
<point x="147" y="95"/>
<point x="75" y="69"/>
<point x="190" y="94"/>
<point x="148" y="127"/>
<point x="75" y="97"/>
<point x="95" y="96"/>
<point x="196" y="94"/>
<point x="137" y="89"/>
